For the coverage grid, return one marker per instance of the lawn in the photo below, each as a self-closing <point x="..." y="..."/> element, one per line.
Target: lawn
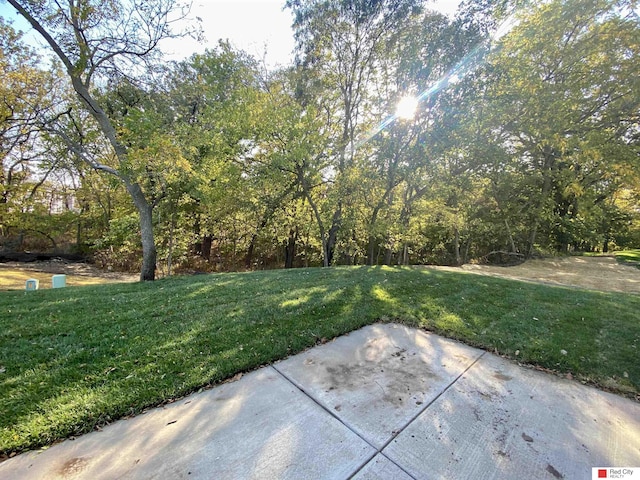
<point x="76" y="358"/>
<point x="629" y="256"/>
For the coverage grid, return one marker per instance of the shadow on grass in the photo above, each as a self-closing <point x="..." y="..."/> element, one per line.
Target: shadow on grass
<point x="78" y="358"/>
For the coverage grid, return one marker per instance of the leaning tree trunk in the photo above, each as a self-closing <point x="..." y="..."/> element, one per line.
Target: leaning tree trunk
<point x="149" y="254"/>
<point x="80" y="72"/>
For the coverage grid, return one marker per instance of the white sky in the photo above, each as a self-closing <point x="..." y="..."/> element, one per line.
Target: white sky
<point x="255" y="26"/>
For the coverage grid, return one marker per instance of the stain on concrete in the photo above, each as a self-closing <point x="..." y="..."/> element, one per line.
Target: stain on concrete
<point x="502" y="376"/>
<point x="73" y="466"/>
<point x="397" y="376"/>
<point x="486" y="396"/>
<point x="553" y="471"/>
<point x="462" y="358"/>
<point x="501" y="424"/>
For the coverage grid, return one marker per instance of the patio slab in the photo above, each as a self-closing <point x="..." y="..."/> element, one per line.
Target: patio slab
<point x="384" y="402"/>
<point x="258" y="427"/>
<point x="381" y="468"/>
<point x="502" y="421"/>
<point x="377" y="379"/>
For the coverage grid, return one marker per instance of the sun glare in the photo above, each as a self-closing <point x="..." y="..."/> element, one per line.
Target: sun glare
<point x="406" y="108"/>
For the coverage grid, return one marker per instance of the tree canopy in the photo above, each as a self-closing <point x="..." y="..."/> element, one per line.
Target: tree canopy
<point x="523" y="141"/>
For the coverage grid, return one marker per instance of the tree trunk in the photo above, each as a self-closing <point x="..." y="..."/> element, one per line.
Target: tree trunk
<point x="205" y="246"/>
<point x="248" y="258"/>
<point x="547" y="169"/>
<point x="145" y="210"/>
<point x="372" y="237"/>
<point x="532" y="239"/>
<point x="79" y="231"/>
<point x="465" y="258"/>
<point x="456" y="246"/>
<point x="371" y="250"/>
<point x="170" y="254"/>
<point x="290" y="248"/>
<point x="511" y="242"/>
<point x="323" y="237"/>
<point x="388" y="254"/>
<point x="332" y="238"/>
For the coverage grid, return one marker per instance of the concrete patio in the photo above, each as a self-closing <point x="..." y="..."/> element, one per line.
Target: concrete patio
<point x="384" y="402"/>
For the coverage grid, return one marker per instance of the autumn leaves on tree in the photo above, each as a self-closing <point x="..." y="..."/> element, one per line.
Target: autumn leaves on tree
<point x="219" y="164"/>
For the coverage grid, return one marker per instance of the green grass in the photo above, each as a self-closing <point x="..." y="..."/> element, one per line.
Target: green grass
<point x="72" y="359"/>
<point x="629" y="256"/>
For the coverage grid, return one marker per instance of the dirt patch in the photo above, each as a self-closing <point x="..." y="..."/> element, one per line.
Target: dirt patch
<point x="594" y="273"/>
<point x="14" y="274"/>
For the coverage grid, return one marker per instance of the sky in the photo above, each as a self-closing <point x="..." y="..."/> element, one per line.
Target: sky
<point x="260" y="27"/>
<point x="255" y="26"/>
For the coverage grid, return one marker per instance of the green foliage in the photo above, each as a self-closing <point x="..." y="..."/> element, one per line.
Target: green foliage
<point x="26" y="163"/>
<point x="554" y="101"/>
<point x="534" y="149"/>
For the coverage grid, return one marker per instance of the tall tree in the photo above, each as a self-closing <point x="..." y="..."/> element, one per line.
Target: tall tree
<point x="338" y="45"/>
<point x="410" y="151"/>
<point x="212" y="97"/>
<point x="26" y="93"/>
<point x="564" y="99"/>
<point x="95" y="41"/>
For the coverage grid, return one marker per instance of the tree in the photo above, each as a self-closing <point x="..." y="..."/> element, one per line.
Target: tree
<point x="339" y="47"/>
<point x="561" y="99"/>
<point x="212" y="99"/>
<point x="95" y="41"/>
<point x="411" y="154"/>
<point x="291" y="155"/>
<point x="27" y="93"/>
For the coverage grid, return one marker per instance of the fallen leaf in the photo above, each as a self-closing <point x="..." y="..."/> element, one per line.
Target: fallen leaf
<point x="235" y="378"/>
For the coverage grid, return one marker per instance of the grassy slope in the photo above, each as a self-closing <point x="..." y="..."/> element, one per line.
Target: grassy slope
<point x="79" y="357"/>
<point x="629" y="256"/>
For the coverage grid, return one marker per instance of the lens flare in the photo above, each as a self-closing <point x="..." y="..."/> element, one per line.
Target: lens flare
<point x="407" y="107"/>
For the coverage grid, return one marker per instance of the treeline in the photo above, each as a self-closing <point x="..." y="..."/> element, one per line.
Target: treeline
<point x="525" y="138"/>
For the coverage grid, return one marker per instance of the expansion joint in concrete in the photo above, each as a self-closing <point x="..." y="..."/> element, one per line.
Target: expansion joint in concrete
<point x="378" y="451"/>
